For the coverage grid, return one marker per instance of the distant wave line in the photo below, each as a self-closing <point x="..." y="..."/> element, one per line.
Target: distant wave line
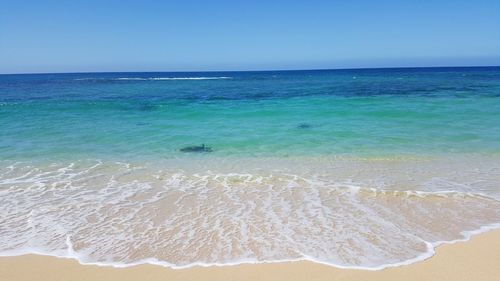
<point x="156" y="78"/>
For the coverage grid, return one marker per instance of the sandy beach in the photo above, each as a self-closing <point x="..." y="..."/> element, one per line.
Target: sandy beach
<point x="249" y="140"/>
<point x="476" y="259"/>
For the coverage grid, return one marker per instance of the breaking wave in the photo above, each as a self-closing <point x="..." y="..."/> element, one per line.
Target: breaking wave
<point x="153" y="78"/>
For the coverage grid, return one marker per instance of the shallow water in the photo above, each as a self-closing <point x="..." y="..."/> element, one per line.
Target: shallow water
<point x="353" y="168"/>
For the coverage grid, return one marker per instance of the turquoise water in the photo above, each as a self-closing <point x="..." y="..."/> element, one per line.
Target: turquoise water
<point x="353" y="168"/>
<point x="341" y="112"/>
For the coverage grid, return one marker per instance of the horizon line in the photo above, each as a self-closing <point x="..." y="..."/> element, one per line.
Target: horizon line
<point x="262" y="70"/>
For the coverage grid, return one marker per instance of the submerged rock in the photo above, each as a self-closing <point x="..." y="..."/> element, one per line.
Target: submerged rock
<point x="304" y="126"/>
<point x="197" y="148"/>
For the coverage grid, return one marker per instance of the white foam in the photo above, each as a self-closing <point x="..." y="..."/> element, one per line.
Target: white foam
<point x="431" y="247"/>
<point x="157" y="78"/>
<point x="122" y="214"/>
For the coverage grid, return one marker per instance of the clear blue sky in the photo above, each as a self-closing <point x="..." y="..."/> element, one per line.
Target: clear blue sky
<point x="92" y="35"/>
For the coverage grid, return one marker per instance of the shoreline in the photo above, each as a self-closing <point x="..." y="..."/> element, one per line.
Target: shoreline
<point x="431" y="247"/>
<point x="474" y="259"/>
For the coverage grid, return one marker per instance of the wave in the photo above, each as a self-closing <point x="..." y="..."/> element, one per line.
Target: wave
<point x="122" y="214"/>
<point x="70" y="253"/>
<point x="154" y="78"/>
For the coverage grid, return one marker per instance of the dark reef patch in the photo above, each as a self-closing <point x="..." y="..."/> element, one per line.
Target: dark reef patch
<point x="146" y="107"/>
<point x="196" y="148"/>
<point x="304" y="126"/>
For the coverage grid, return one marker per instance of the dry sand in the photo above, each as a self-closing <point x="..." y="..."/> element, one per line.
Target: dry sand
<point x="477" y="259"/>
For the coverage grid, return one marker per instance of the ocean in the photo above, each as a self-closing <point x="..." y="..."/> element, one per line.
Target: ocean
<point x="358" y="168"/>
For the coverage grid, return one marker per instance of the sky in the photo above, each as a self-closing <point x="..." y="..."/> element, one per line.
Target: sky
<point x="187" y="35"/>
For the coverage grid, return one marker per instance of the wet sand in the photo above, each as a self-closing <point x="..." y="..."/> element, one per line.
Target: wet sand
<point x="477" y="259"/>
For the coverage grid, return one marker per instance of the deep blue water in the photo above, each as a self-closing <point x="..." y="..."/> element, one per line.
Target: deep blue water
<point x="355" y="112"/>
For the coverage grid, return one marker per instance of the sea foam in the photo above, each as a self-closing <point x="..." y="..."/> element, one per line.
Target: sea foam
<point x="155" y="78"/>
<point x="122" y="214"/>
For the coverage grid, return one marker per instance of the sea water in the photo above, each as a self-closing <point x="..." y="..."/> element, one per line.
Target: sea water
<point x="363" y="168"/>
